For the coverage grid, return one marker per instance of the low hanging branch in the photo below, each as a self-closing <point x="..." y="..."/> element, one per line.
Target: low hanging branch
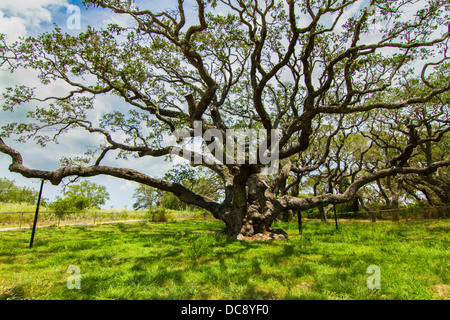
<point x="56" y="176"/>
<point x="338" y="94"/>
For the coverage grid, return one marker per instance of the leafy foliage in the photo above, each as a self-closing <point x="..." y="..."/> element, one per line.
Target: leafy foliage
<point x="159" y="215"/>
<point x="96" y="194"/>
<point x="70" y="203"/>
<point x="9" y="192"/>
<point x="81" y="196"/>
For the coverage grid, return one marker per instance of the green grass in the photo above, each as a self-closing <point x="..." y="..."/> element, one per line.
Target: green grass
<point x="14" y="215"/>
<point x="190" y="260"/>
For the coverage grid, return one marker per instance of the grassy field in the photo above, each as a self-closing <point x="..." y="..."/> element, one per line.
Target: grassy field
<point x="190" y="260"/>
<point x="15" y="215"/>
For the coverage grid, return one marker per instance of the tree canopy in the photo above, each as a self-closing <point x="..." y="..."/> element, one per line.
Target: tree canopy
<point x="81" y="196"/>
<point x="357" y="91"/>
<point x="10" y="192"/>
<point x="96" y="194"/>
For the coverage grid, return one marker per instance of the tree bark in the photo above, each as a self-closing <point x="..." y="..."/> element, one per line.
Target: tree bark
<point x="251" y="208"/>
<point x="250" y="204"/>
<point x="323" y="214"/>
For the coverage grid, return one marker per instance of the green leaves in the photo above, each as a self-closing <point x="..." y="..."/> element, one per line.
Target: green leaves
<point x="9" y="192"/>
<point x="81" y="196"/>
<point x="13" y="97"/>
<point x="96" y="194"/>
<point x="47" y="123"/>
<point x="70" y="203"/>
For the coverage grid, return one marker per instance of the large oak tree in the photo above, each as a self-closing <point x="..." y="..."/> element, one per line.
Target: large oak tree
<point x="318" y="72"/>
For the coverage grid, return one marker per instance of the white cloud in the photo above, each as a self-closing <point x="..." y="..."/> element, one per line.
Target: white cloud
<point x="19" y="17"/>
<point x="127" y="185"/>
<point x="119" y="19"/>
<point x="34" y="11"/>
<point x="14" y="27"/>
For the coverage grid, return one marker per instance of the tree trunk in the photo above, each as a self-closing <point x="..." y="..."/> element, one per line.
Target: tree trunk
<point x="394" y="207"/>
<point x="373" y="216"/>
<point x="354" y="204"/>
<point x="395" y="199"/>
<point x="323" y="215"/>
<point x="250" y="212"/>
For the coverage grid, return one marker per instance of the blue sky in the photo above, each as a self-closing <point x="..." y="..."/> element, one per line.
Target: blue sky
<point x="21" y="18"/>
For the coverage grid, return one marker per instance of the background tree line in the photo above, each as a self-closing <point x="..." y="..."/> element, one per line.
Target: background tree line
<point x="75" y="197"/>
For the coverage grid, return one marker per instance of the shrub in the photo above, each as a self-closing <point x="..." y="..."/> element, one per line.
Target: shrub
<point x="159" y="215"/>
<point x="70" y="203"/>
<point x="201" y="214"/>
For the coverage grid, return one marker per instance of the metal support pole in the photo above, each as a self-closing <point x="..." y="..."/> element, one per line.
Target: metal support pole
<point x="300" y="227"/>
<point x="335" y="216"/>
<point x="36" y="214"/>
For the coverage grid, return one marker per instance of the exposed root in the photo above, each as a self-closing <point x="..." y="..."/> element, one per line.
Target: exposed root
<point x="277" y="234"/>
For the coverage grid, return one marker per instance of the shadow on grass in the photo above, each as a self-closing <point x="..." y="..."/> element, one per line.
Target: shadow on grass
<point x="192" y="260"/>
<point x="13" y="293"/>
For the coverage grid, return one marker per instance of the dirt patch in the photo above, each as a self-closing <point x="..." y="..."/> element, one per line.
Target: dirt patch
<point x="277" y="234"/>
<point x="443" y="291"/>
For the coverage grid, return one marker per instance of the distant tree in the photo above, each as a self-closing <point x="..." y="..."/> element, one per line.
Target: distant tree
<point x="81" y="196"/>
<point x="96" y="194"/>
<point x="70" y="203"/>
<point x="145" y="197"/>
<point x="194" y="179"/>
<point x="9" y="192"/>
